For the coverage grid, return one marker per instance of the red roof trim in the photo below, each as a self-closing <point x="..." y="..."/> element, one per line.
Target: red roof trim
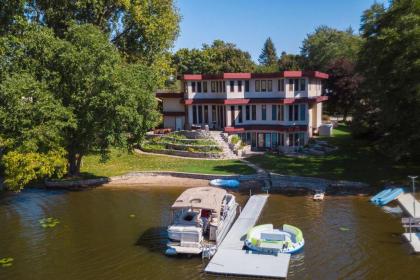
<point x="284" y="74"/>
<point x="281" y="128"/>
<point x="169" y="95"/>
<point x="242" y="101"/>
<point x="237" y="76"/>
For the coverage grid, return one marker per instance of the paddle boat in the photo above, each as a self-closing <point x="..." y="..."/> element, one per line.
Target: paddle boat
<point x="266" y="239"/>
<point x="230" y="183"/>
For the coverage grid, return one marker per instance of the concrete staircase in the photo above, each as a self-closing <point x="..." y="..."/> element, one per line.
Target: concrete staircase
<point x="222" y="139"/>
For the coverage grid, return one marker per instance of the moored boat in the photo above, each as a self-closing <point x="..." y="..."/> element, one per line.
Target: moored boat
<point x="201" y="218"/>
<point x="226" y="183"/>
<point x="266" y="239"/>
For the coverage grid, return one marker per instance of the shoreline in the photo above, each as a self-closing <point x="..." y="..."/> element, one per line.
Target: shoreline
<point x="289" y="185"/>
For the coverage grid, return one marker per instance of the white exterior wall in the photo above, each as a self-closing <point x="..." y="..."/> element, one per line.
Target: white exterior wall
<point x="311" y="90"/>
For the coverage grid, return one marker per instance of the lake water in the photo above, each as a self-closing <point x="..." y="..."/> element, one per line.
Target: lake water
<point x="97" y="238"/>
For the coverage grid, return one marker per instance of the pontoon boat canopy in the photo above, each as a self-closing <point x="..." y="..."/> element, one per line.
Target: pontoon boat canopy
<point x="209" y="198"/>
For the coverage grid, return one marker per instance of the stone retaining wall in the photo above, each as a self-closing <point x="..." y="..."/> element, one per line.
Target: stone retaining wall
<point x="185" y="153"/>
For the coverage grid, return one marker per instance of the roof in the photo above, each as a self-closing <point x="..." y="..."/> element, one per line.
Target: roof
<point x="210" y="198"/>
<point x="247" y="76"/>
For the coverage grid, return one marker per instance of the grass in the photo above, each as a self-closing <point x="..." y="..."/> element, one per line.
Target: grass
<point x="122" y="162"/>
<point x="355" y="160"/>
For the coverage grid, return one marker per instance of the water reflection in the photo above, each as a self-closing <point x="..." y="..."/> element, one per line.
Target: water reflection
<point x="97" y="239"/>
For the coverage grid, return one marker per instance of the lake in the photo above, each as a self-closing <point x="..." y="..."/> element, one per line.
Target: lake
<point x="120" y="234"/>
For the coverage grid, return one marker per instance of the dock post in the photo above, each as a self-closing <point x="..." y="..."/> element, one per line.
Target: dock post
<point x="413" y="180"/>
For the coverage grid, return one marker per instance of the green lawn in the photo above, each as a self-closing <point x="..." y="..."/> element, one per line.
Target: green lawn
<point x="122" y="162"/>
<point x="355" y="160"/>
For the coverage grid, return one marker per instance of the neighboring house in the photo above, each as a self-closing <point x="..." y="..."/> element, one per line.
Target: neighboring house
<point x="267" y="110"/>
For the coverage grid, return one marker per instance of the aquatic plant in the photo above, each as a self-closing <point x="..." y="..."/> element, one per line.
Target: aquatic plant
<point x="344" y="229"/>
<point x="132" y="215"/>
<point x="6" y="262"/>
<point x="49" y="222"/>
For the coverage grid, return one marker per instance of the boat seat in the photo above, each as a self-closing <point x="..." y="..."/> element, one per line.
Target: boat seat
<point x="273" y="236"/>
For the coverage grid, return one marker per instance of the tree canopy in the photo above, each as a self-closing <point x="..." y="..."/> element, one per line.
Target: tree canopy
<point x="218" y="57"/>
<point x="141" y="29"/>
<point x="268" y="56"/>
<point x="327" y="44"/>
<point x="389" y="100"/>
<point x="74" y="92"/>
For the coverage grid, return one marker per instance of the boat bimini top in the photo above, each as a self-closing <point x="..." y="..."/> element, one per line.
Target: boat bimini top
<point x="209" y="198"/>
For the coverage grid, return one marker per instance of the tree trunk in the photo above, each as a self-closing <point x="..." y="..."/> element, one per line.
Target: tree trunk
<point x="75" y="161"/>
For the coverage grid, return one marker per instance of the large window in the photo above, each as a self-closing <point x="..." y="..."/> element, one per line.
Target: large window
<point x="297" y="85"/>
<point x="232" y="85"/>
<point x="280" y="85"/>
<point x="263" y="85"/>
<point x="239" y="86"/>
<point x="200" y="114"/>
<point x="296" y="139"/>
<point x="302" y="84"/>
<point x="192" y="86"/>
<point x="206" y="114"/>
<point x="274" y="112"/>
<point x="247" y="113"/>
<point x="194" y="109"/>
<point x="240" y="114"/>
<point x="263" y="112"/>
<point x="257" y="85"/>
<point x="274" y="140"/>
<point x="297" y="112"/>
<point x="232" y="115"/>
<point x="205" y="86"/>
<point x="213" y="86"/>
<point x="213" y="113"/>
<point x="198" y="86"/>
<point x="254" y="112"/>
<point x="267" y="140"/>
<point x="280" y="113"/>
<point x="246" y="86"/>
<point x="269" y="85"/>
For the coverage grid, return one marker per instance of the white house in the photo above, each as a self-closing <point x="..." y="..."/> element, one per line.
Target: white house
<point x="267" y="110"/>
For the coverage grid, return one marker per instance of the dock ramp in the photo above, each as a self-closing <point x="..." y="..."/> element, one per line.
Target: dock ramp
<point x="232" y="259"/>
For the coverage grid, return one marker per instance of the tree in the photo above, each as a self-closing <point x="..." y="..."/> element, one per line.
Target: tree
<point x="327" y="44"/>
<point x="141" y="29"/>
<point x="390" y="63"/>
<point x="343" y="84"/>
<point x="216" y="58"/>
<point x="290" y="62"/>
<point x="268" y="56"/>
<point x="100" y="99"/>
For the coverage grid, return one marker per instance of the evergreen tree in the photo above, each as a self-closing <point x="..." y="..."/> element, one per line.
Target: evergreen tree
<point x="268" y="56"/>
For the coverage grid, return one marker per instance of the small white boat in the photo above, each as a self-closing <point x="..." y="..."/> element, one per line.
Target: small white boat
<point x="318" y="196"/>
<point x="201" y="217"/>
<point x="267" y="239"/>
<point x="230" y="183"/>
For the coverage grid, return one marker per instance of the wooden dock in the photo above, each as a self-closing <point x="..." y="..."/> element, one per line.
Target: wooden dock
<point x="232" y="259"/>
<point x="411" y="206"/>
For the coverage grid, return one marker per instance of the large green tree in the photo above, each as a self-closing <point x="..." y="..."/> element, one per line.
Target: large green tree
<point x="268" y="56"/>
<point x="290" y="62"/>
<point x="390" y="63"/>
<point x="216" y="58"/>
<point x="142" y="29"/>
<point x="327" y="44"/>
<point x="75" y="92"/>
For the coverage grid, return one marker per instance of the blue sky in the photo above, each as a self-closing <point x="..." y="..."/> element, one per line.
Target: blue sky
<point x="248" y="23"/>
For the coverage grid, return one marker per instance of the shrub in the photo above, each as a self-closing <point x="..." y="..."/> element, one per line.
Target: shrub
<point x="235" y="139"/>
